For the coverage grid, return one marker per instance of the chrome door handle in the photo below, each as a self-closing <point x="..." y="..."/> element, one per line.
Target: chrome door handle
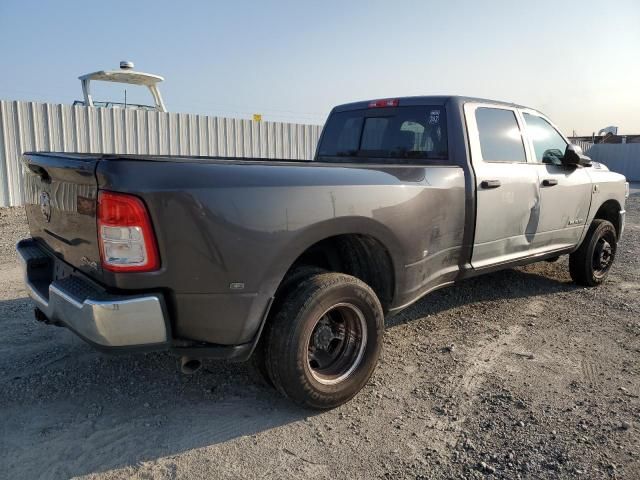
<point x="490" y="184"/>
<point x="549" y="182"/>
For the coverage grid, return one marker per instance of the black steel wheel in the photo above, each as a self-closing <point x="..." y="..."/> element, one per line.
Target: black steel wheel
<point x="603" y="255"/>
<point x="591" y="263"/>
<point x="337" y="343"/>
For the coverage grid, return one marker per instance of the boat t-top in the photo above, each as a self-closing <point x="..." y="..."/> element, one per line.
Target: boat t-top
<point x="127" y="75"/>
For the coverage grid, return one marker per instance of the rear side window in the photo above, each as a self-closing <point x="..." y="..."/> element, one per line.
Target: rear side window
<point x="397" y="134"/>
<point x="500" y="136"/>
<point x="547" y="142"/>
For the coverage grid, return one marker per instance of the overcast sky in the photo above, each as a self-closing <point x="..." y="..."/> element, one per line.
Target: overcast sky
<point x="577" y="61"/>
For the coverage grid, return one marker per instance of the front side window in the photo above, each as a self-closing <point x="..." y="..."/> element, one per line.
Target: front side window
<point x="547" y="142"/>
<point x="500" y="137"/>
<point x="396" y="134"/>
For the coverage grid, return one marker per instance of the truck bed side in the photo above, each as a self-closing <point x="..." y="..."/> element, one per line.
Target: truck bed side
<point x="220" y="224"/>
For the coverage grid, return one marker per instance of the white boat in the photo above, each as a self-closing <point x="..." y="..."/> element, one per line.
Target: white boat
<point x="127" y="75"/>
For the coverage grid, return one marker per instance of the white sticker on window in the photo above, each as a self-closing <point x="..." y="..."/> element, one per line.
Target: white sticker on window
<point x="434" y="117"/>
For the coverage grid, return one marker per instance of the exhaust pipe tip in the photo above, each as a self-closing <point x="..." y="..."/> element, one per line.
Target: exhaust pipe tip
<point x="189" y="365"/>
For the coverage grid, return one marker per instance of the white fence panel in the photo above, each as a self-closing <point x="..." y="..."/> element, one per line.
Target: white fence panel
<point x="32" y="126"/>
<point x="585" y="146"/>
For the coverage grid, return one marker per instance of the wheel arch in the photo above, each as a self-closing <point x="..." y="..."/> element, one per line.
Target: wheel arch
<point x="359" y="246"/>
<point x="610" y="211"/>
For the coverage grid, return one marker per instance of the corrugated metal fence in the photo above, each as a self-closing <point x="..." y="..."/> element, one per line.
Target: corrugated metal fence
<point x="31" y="126"/>
<point x="623" y="158"/>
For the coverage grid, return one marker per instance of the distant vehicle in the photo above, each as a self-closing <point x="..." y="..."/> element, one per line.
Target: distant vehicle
<point x="125" y="75"/>
<point x="295" y="263"/>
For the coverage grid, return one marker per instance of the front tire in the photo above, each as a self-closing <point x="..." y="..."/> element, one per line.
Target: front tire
<point x="324" y="341"/>
<point x="591" y="263"/>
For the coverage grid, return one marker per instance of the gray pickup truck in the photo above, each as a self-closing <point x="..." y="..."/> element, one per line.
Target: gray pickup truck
<point x="295" y="264"/>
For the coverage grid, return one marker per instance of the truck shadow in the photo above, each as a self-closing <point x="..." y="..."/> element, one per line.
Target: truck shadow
<point x="524" y="282"/>
<point x="94" y="413"/>
<point x="67" y="410"/>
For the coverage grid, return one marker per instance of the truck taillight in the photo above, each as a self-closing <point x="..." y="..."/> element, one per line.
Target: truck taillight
<point x="127" y="241"/>
<point x="388" y="102"/>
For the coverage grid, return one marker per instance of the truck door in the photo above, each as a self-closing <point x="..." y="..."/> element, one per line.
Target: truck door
<point x="507" y="189"/>
<point x="565" y="192"/>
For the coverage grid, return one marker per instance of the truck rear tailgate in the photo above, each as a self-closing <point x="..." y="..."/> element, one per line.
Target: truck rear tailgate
<point x="60" y="202"/>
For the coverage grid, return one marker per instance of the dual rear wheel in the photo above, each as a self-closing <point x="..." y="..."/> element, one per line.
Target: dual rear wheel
<point x="323" y="341"/>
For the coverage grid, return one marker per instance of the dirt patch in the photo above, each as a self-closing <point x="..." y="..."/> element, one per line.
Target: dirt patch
<point x="515" y="374"/>
<point x="13" y="227"/>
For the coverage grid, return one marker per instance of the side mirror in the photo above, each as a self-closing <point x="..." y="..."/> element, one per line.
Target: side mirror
<point x="573" y="156"/>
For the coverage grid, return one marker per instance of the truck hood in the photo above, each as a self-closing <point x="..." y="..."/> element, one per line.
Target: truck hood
<point x="600" y="172"/>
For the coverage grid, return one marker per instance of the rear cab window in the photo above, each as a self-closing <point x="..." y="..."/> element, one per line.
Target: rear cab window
<point x="411" y="134"/>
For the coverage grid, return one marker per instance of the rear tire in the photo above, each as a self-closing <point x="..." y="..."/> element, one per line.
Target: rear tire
<point x="324" y="341"/>
<point x="591" y="263"/>
<point x="258" y="362"/>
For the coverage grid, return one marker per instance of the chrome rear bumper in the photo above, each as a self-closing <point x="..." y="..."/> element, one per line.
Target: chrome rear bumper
<point x="97" y="316"/>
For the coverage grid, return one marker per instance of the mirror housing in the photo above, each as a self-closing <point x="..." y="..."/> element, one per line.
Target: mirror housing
<point x="573" y="156"/>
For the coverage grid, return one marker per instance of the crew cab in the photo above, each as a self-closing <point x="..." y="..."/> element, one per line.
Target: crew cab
<point x="295" y="264"/>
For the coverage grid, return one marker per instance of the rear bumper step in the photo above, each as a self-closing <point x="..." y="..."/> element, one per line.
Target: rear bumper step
<point x="103" y="319"/>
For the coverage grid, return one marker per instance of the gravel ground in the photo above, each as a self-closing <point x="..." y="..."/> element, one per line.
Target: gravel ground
<point x="518" y="374"/>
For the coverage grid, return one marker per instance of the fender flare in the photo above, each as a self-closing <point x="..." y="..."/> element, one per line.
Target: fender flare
<point x="326" y="229"/>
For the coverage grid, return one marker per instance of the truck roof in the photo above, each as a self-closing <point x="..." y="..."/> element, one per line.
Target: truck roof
<point x="424" y="100"/>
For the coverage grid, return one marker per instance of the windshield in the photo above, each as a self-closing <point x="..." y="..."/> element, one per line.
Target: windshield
<point x="418" y="132"/>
